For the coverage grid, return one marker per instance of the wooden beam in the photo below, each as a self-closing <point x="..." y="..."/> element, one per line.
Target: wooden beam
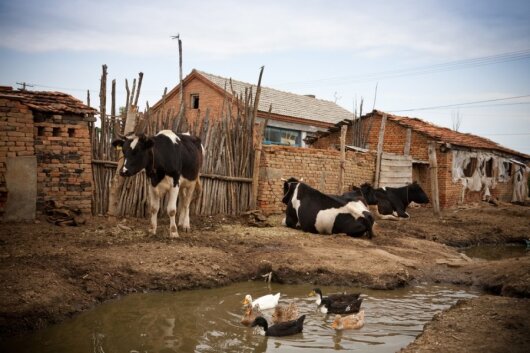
<point x="380" y="150"/>
<point x="433" y="166"/>
<point x="343" y="130"/>
<point x="406" y="149"/>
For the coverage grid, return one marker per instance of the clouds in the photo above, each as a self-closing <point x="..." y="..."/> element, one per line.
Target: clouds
<point x="232" y="28"/>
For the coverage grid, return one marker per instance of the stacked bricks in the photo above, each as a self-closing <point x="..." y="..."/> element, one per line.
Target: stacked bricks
<point x="16" y="138"/>
<point x="64" y="162"/>
<point x="318" y="167"/>
<point x="394" y="142"/>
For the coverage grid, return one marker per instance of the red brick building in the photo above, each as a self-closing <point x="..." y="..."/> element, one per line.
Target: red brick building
<point x="470" y="167"/>
<point x="45" y="152"/>
<point x="293" y="116"/>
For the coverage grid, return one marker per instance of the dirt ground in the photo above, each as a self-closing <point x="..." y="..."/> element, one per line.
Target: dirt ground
<point x="49" y="273"/>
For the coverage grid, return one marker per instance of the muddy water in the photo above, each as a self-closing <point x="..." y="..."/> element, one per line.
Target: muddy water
<point x="208" y="321"/>
<point x="497" y="251"/>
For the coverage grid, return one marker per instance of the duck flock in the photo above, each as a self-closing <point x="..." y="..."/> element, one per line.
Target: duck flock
<point x="286" y="320"/>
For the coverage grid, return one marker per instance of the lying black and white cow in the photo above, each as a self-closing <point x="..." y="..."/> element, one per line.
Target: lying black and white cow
<point x="391" y="203"/>
<point x="172" y="163"/>
<point x="315" y="212"/>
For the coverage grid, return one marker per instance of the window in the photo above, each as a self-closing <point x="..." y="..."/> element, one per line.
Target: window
<point x="194" y="101"/>
<point x="279" y="136"/>
<point x="40" y="130"/>
<point x="71" y="132"/>
<point x="470" y="168"/>
<point x="56" y="132"/>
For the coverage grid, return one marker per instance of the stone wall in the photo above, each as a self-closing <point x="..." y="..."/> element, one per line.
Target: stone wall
<point x="318" y="167"/>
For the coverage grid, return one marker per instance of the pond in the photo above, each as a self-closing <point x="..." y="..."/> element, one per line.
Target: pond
<point x="207" y="320"/>
<point x="497" y="251"/>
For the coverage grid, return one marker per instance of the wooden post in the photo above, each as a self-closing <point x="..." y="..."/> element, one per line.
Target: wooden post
<point x="343" y="130"/>
<point x="117" y="182"/>
<point x="103" y="112"/>
<point x="406" y="149"/>
<point x="433" y="166"/>
<point x="380" y="144"/>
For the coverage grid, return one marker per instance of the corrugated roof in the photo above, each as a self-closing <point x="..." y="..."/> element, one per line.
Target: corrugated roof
<point x="286" y="103"/>
<point x="48" y="102"/>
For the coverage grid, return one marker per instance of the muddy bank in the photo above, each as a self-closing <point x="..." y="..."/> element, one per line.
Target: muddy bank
<point x="483" y="324"/>
<point x="50" y="273"/>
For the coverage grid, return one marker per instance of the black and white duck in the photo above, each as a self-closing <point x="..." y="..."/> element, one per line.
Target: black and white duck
<point x="285" y="328"/>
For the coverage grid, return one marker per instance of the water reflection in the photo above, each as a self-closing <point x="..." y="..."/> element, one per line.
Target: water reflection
<point x="497" y="251"/>
<point x="208" y="321"/>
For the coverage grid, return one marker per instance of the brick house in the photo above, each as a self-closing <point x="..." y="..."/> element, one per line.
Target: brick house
<point x="45" y="152"/>
<point x="293" y="116"/>
<point x="470" y="167"/>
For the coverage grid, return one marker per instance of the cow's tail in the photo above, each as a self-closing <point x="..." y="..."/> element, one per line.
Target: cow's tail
<point x="368" y="221"/>
<point x="198" y="189"/>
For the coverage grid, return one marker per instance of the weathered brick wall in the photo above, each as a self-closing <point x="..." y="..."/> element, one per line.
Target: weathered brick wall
<point x="64" y="161"/>
<point x="208" y="98"/>
<point x="16" y="138"/>
<point x="318" y="167"/>
<point x="452" y="192"/>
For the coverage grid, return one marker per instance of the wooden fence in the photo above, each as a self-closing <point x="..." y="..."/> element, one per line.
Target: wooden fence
<point x="231" y="142"/>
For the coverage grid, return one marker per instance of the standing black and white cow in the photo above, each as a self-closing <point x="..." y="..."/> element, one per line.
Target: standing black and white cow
<point x="391" y="203"/>
<point x="172" y="163"/>
<point x="315" y="212"/>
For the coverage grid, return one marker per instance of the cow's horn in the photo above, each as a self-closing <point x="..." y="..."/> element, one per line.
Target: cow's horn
<point x="301" y="179"/>
<point x="283" y="179"/>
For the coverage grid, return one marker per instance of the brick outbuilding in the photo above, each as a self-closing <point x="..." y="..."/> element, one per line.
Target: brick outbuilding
<point x="470" y="167"/>
<point x="292" y="118"/>
<point x="45" y="152"/>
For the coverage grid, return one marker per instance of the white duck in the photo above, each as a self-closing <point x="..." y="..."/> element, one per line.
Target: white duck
<point x="268" y="301"/>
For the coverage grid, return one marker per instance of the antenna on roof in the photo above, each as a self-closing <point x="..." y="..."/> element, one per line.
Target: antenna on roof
<point x="24" y="85"/>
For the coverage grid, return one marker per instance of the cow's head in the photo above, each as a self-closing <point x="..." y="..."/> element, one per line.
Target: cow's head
<point x="288" y="188"/>
<point x="136" y="151"/>
<point x="369" y="193"/>
<point x="416" y="193"/>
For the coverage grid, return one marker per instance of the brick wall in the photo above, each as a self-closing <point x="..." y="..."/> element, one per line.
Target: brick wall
<point x="318" y="167"/>
<point x="208" y="98"/>
<point x="63" y="150"/>
<point x="16" y="138"/>
<point x="64" y="161"/>
<point x="394" y="142"/>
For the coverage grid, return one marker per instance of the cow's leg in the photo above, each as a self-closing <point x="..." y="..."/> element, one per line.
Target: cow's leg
<point x="154" y="201"/>
<point x="172" y="210"/>
<point x="184" y="212"/>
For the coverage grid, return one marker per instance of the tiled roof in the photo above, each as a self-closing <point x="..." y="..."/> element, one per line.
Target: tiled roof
<point x="48" y="102"/>
<point x="286" y="103"/>
<point x="434" y="132"/>
<point x="447" y="135"/>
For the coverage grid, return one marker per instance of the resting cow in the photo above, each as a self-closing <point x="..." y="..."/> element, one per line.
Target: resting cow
<point x="315" y="212"/>
<point x="172" y="163"/>
<point x="391" y="203"/>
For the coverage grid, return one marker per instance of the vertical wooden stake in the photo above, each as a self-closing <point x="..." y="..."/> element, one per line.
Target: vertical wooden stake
<point x="343" y="130"/>
<point x="433" y="166"/>
<point x="380" y="144"/>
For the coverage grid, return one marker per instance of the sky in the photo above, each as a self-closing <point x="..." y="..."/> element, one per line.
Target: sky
<point x="450" y="62"/>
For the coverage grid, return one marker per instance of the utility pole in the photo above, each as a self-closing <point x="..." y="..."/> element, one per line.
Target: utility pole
<point x="24" y="85"/>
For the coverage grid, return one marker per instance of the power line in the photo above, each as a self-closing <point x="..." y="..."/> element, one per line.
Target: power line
<point x="461" y="104"/>
<point x="508" y="134"/>
<point x="421" y="70"/>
